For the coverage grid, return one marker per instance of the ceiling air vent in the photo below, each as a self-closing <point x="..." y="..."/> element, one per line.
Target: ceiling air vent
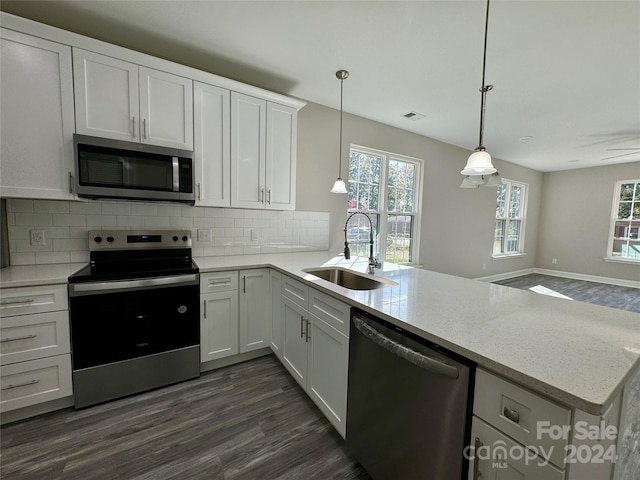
<point x="413" y="116"/>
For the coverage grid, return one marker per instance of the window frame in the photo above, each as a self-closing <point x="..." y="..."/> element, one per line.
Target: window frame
<point x="382" y="212"/>
<point x="522" y="219"/>
<point x="615" y="205"/>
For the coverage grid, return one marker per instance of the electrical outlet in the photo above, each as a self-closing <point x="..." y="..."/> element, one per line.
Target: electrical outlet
<point x="554" y="260"/>
<point x="204" y="235"/>
<point x="484" y="266"/>
<point x="254" y="235"/>
<point x="37" y="237"/>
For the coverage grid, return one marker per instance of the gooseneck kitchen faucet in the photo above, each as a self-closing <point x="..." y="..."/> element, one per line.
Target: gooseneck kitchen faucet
<point x="373" y="262"/>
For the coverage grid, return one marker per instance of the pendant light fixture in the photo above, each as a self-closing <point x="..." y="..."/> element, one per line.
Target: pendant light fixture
<point x="479" y="162"/>
<point x="339" y="186"/>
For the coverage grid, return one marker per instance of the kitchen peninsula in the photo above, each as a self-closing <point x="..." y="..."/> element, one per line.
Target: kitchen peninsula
<point x="582" y="357"/>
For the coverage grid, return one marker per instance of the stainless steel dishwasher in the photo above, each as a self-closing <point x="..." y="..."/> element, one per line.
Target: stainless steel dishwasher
<point x="409" y="404"/>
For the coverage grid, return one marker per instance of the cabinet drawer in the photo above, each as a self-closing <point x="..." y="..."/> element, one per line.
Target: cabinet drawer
<point x="519" y="412"/>
<point x="28" y="337"/>
<point x="295" y="291"/>
<point x="499" y="457"/>
<point x="329" y="309"/>
<point x="36" y="381"/>
<point x="25" y="300"/>
<point x="218" y="282"/>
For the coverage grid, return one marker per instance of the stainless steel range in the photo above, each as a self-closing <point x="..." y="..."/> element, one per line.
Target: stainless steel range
<point x="134" y="312"/>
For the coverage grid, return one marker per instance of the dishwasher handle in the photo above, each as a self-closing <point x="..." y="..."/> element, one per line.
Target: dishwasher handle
<point x="423" y="361"/>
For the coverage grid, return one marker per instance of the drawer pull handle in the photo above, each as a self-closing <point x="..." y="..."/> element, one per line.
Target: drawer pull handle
<point x="301" y="326"/>
<point x="17" y="302"/>
<point x="512" y="415"/>
<point x="220" y="284"/>
<point x="476" y="461"/>
<point x="25" y="384"/>
<point x="13" y="339"/>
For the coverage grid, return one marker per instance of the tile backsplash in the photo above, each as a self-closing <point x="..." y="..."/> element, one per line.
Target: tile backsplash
<point x="66" y="225"/>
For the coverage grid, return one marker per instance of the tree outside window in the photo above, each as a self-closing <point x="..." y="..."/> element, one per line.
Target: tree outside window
<point x="386" y="187"/>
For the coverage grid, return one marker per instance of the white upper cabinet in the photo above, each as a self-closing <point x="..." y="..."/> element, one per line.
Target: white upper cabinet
<point x="263" y="153"/>
<point x="36" y="142"/>
<point x="248" y="127"/>
<point x="124" y="101"/>
<point x="211" y="145"/>
<point x="282" y="137"/>
<point x="106" y="93"/>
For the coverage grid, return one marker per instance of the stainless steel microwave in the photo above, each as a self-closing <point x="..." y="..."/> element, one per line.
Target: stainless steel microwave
<point x="117" y="169"/>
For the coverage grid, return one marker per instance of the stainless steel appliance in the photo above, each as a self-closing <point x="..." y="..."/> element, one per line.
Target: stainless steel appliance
<point x="135" y="314"/>
<point x="408" y="410"/>
<point x="117" y="169"/>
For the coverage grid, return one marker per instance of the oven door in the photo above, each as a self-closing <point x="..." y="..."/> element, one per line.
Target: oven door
<point x="123" y="320"/>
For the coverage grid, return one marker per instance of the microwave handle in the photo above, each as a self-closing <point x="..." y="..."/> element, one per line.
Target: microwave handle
<point x="176" y="174"/>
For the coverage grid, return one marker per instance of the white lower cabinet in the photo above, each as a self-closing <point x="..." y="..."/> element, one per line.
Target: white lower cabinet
<point x="314" y="351"/>
<point x="255" y="309"/>
<point x="519" y="434"/>
<point x="218" y="315"/>
<point x="35" y="346"/>
<point x="276" y="313"/>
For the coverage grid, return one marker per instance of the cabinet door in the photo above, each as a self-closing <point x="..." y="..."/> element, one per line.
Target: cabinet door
<point x="294" y="340"/>
<point x="255" y="309"/>
<point x="36" y="139"/>
<point x="281" y="143"/>
<point x="218" y="325"/>
<point x="276" y="313"/>
<point x="106" y="94"/>
<point x="166" y="109"/>
<point x="500" y="458"/>
<point x="248" y="134"/>
<point x="328" y="367"/>
<point x="212" y="153"/>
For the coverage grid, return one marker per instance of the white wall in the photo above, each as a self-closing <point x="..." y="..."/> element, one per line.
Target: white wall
<point x="575" y="219"/>
<point x="457" y="224"/>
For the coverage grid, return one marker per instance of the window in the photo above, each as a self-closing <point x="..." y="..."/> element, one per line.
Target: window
<point x="388" y="188"/>
<point x="511" y="206"/>
<point x="624" y="239"/>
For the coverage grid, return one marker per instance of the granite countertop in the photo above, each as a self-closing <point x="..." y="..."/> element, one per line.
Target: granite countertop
<point x="575" y="353"/>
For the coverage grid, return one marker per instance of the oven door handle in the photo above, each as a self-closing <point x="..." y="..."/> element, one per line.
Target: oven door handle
<point x="106" y="287"/>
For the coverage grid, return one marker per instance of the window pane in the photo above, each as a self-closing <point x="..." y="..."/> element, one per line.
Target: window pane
<point x="513" y="238"/>
<point x="500" y="205"/>
<point x="624" y="210"/>
<point x="626" y="191"/>
<point x="401" y="186"/>
<point x="498" y="244"/>
<point x="399" y="238"/>
<point x="364" y="181"/>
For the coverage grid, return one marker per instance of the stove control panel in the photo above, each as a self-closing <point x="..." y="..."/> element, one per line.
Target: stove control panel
<point x="138" y="239"/>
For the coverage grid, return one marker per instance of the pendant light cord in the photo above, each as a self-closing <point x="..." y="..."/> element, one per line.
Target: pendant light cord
<point x="485" y="88"/>
<point x="340" y="151"/>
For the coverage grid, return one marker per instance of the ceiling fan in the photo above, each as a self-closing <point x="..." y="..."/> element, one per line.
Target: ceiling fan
<point x="633" y="152"/>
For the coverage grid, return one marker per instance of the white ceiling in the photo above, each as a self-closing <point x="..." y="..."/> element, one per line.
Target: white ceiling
<point x="566" y="73"/>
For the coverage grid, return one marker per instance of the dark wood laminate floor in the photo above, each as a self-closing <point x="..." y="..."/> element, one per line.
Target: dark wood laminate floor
<point x="625" y="298"/>
<point x="246" y="421"/>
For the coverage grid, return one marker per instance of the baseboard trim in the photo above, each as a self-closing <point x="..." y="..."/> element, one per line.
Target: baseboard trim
<point x="505" y="276"/>
<point x="242" y="357"/>
<point x="556" y="273"/>
<point x="589" y="278"/>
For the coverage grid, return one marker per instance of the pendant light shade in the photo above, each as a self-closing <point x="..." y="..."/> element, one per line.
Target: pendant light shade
<point x="495" y="180"/>
<point x="339" y="186"/>
<point x="472" y="181"/>
<point x="479" y="162"/>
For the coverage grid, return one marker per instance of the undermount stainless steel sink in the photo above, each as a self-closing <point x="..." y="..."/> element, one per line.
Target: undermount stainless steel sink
<point x="349" y="279"/>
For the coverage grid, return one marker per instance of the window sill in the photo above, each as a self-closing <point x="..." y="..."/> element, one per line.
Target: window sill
<point x="508" y="255"/>
<point x="629" y="261"/>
